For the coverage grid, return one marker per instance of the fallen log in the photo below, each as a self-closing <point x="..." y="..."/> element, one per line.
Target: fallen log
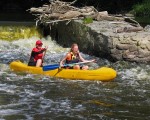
<point x="128" y="29"/>
<point x="70" y="14"/>
<point x="54" y="16"/>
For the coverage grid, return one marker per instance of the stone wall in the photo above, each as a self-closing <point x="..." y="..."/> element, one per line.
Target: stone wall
<point x="101" y="39"/>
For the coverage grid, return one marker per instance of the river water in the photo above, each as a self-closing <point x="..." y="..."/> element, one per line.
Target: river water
<point x="35" y="97"/>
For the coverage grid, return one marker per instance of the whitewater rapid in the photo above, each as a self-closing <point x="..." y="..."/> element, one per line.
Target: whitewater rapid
<point x="30" y="97"/>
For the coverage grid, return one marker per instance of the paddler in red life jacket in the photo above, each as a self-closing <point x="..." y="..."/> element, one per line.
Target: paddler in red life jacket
<point x="37" y="54"/>
<point x="74" y="57"/>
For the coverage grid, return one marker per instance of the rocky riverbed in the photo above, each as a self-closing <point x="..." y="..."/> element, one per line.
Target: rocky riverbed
<point x="110" y="39"/>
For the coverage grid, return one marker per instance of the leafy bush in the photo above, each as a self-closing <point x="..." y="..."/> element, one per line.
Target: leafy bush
<point x="142" y="9"/>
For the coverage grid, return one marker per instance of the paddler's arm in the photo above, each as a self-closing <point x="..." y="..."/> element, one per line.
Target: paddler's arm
<point x="39" y="52"/>
<point x="44" y="52"/>
<point x="83" y="60"/>
<point x="63" y="60"/>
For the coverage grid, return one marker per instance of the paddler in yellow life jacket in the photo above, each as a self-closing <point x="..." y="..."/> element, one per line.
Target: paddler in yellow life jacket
<point x="74" y="57"/>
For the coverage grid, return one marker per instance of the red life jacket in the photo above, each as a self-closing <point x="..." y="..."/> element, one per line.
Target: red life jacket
<point x="37" y="56"/>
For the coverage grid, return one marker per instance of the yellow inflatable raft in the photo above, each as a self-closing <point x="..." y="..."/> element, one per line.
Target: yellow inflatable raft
<point x="102" y="74"/>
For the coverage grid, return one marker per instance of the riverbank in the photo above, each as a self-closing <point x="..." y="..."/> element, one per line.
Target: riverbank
<point x="109" y="36"/>
<point x="108" y="39"/>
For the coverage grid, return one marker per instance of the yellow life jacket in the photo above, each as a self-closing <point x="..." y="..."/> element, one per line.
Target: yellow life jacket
<point x="72" y="58"/>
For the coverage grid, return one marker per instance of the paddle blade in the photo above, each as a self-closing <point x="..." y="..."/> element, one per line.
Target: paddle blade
<point x="50" y="67"/>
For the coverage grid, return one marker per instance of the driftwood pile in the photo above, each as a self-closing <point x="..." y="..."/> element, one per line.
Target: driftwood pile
<point x="58" y="11"/>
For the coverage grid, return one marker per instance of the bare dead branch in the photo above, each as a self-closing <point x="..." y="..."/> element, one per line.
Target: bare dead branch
<point x="58" y="11"/>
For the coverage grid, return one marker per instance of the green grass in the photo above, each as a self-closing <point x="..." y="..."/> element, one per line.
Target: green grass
<point x="87" y="20"/>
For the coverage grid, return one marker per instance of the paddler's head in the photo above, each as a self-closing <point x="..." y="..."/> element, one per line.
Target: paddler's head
<point x="39" y="43"/>
<point x="74" y="48"/>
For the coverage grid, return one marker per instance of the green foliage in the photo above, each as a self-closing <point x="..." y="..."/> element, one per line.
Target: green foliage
<point x="87" y="20"/>
<point x="142" y="9"/>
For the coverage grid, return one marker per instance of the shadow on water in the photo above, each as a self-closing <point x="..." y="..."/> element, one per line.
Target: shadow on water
<point x="143" y="20"/>
<point x="19" y="16"/>
<point x="19" y="23"/>
<point x="17" y="19"/>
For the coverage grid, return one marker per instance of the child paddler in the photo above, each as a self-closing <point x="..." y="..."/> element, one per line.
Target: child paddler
<point x="74" y="56"/>
<point x="37" y="54"/>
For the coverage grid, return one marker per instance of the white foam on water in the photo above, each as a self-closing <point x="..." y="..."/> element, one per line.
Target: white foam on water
<point x="13" y="105"/>
<point x="28" y="44"/>
<point x="32" y="93"/>
<point x="29" y="117"/>
<point x="4" y="112"/>
<point x="21" y="50"/>
<point x="3" y="67"/>
<point x="2" y="119"/>
<point x="137" y="73"/>
<point x="46" y="103"/>
<point x="8" y="88"/>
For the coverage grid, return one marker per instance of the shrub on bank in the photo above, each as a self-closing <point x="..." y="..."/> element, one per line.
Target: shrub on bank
<point x="142" y="9"/>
